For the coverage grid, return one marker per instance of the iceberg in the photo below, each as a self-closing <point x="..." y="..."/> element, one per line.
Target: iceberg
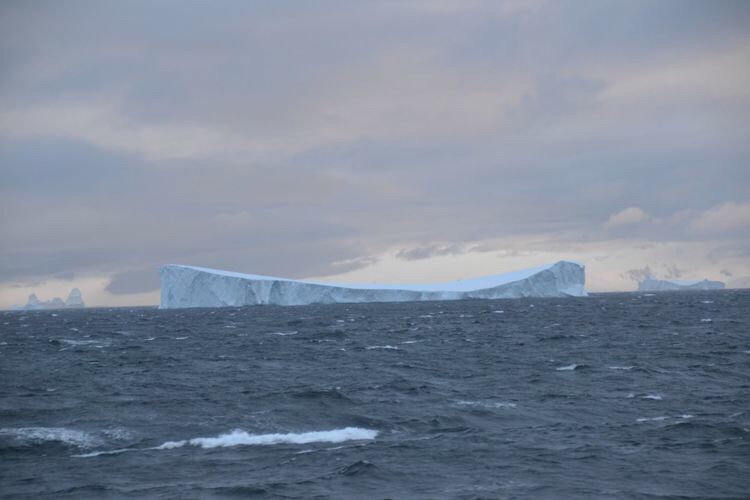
<point x="654" y="285"/>
<point x="189" y="286"/>
<point x="74" y="301"/>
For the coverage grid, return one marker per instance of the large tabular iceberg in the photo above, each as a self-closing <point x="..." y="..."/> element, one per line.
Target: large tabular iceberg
<point x="652" y="285"/>
<point x="189" y="286"/>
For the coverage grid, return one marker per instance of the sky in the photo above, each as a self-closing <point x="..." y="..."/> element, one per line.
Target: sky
<point x="371" y="141"/>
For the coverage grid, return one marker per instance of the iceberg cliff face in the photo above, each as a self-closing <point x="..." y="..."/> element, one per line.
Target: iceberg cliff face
<point x="652" y="285"/>
<point x="188" y="286"/>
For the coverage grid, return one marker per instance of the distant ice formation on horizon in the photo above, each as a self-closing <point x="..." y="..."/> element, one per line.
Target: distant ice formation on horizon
<point x="74" y="301"/>
<point x="190" y="286"/>
<point x="654" y="285"/>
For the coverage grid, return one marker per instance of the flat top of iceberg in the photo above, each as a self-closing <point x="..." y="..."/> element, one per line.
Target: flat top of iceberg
<point x="677" y="282"/>
<point x="451" y="286"/>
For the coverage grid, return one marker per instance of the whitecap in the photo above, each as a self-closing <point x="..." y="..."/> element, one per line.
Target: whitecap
<point x="283" y="334"/>
<point x="488" y="404"/>
<point x="106" y="452"/>
<point x="706" y="320"/>
<point x="181" y="338"/>
<point x="621" y="367"/>
<point x="411" y="341"/>
<point x="651" y="419"/>
<point x="707" y="301"/>
<point x="499" y="311"/>
<point x="242" y="438"/>
<point x="381" y="347"/>
<point x="567" y="367"/>
<point x="81" y="342"/>
<point x="655" y="397"/>
<point x="96" y="344"/>
<point x="38" y="435"/>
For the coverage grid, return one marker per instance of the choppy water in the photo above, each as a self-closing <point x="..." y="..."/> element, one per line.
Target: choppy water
<point x="613" y="396"/>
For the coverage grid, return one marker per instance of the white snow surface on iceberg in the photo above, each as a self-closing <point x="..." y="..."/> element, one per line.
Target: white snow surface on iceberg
<point x="190" y="286"/>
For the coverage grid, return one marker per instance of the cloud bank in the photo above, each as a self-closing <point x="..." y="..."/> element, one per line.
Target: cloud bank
<point x="352" y="139"/>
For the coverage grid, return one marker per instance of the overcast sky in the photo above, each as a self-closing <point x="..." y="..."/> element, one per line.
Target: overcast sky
<point x="387" y="141"/>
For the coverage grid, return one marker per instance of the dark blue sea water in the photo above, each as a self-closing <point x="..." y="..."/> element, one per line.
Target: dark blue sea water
<point x="612" y="396"/>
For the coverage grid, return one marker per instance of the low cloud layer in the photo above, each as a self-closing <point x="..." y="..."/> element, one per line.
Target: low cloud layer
<point x="335" y="137"/>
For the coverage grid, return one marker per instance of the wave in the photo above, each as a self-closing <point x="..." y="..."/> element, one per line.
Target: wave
<point x="241" y="438"/>
<point x="567" y="368"/>
<point x="488" y="404"/>
<point x="684" y="416"/>
<point x="370" y="347"/>
<point x="40" y="435"/>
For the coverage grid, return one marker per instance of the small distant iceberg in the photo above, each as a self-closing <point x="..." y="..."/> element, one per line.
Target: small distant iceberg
<point x="74" y="301"/>
<point x="654" y="285"/>
<point x="189" y="286"/>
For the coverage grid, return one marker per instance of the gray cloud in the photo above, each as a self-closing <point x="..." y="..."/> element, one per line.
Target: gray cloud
<point x="639" y="274"/>
<point x="304" y="141"/>
<point x="143" y="280"/>
<point x="424" y="252"/>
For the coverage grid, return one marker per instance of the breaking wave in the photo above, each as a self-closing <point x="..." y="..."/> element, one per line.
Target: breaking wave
<point x="27" y="436"/>
<point x="241" y="438"/>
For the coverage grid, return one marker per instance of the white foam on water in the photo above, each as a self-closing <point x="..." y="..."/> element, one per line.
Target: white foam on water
<point x="686" y="416"/>
<point x="567" y="368"/>
<point x="38" y="435"/>
<point x="621" y="367"/>
<point x="381" y="347"/>
<point x="706" y="320"/>
<point x="707" y="301"/>
<point x="411" y="341"/>
<point x="488" y="404"/>
<point x="652" y="419"/>
<point x="242" y="438"/>
<point x="84" y="343"/>
<point x="106" y="452"/>
<point x="181" y="338"/>
<point x="283" y="334"/>
<point x="655" y="397"/>
<point x="498" y="311"/>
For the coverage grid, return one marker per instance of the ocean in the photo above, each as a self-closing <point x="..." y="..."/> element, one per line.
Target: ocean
<point x="631" y="395"/>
